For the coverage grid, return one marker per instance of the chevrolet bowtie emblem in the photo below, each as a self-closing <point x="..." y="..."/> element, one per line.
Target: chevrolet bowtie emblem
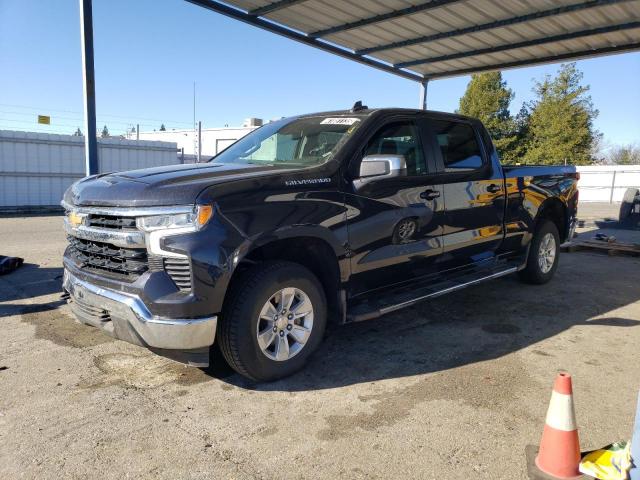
<point x="76" y="219"/>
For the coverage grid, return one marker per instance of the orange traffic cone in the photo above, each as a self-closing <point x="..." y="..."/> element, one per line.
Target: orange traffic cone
<point x="559" y="454"/>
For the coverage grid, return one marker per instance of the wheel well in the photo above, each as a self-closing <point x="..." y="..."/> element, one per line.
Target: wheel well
<point x="556" y="212"/>
<point x="313" y="253"/>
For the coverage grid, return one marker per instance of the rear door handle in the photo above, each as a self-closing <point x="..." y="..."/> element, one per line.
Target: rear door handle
<point x="430" y="194"/>
<point x="493" y="188"/>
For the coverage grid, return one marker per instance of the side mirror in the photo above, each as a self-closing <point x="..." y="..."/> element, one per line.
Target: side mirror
<point x="383" y="165"/>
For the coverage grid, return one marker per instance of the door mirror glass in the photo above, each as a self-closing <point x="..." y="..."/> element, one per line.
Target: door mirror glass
<point x="382" y="165"/>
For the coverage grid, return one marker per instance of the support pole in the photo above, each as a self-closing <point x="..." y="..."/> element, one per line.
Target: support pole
<point x="423" y="93"/>
<point x="89" y="88"/>
<point x="199" y="141"/>
<point x="613" y="187"/>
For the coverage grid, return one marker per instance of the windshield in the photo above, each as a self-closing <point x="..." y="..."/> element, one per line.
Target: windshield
<point x="301" y="142"/>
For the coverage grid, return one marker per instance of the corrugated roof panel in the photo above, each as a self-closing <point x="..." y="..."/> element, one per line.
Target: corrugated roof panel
<point x="437" y="20"/>
<point x="477" y="41"/>
<point x="355" y="39"/>
<point x="339" y="11"/>
<point x="448" y="16"/>
<point x="454" y="16"/>
<point x="532" y="53"/>
<point x="250" y="4"/>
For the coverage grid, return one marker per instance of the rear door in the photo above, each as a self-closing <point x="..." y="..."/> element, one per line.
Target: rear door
<point x="473" y="194"/>
<point x="395" y="224"/>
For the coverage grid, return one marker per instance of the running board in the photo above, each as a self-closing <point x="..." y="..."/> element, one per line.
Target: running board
<point x="368" y="311"/>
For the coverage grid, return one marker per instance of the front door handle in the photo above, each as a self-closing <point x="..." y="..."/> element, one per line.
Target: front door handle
<point x="493" y="188"/>
<point x="430" y="194"/>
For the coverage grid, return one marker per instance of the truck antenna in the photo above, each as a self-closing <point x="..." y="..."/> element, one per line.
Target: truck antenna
<point x="358" y="106"/>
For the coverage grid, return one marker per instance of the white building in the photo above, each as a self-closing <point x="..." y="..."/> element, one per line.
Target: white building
<point x="214" y="140"/>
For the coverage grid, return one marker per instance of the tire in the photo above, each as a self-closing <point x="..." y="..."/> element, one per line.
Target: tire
<point x="244" y="318"/>
<point x="534" y="272"/>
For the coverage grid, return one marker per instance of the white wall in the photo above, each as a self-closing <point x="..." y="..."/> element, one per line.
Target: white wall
<point x="214" y="140"/>
<point x="36" y="168"/>
<point x="608" y="182"/>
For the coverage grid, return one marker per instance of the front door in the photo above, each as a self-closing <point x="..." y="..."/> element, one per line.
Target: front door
<point x="395" y="224"/>
<point x="473" y="195"/>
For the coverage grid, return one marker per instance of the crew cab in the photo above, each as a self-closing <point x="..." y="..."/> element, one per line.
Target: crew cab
<point x="341" y="216"/>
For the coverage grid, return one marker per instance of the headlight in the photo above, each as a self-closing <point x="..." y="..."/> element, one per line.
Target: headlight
<point x="191" y="221"/>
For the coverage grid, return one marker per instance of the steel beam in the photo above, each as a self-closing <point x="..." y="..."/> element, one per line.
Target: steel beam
<point x="490" y="26"/>
<point x="291" y="34"/>
<point x="272" y="7"/>
<point x="89" y="88"/>
<point x="381" y="18"/>
<point x="628" y="47"/>
<point x="424" y="89"/>
<point x="526" y="43"/>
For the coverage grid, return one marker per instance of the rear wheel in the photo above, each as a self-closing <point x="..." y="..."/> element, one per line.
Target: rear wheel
<point x="543" y="254"/>
<point x="273" y="322"/>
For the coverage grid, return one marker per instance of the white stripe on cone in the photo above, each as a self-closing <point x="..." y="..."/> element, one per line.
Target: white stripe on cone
<point x="561" y="414"/>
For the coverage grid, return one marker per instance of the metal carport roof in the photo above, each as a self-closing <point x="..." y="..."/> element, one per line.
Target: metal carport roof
<point x="420" y="39"/>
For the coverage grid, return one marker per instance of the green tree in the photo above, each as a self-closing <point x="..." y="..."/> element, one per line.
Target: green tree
<point x="163" y="128"/>
<point x="625" y="155"/>
<point x="105" y="132"/>
<point x="487" y="98"/>
<point x="560" y="126"/>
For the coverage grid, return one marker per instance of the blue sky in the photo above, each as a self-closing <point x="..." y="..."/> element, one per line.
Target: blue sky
<point x="149" y="53"/>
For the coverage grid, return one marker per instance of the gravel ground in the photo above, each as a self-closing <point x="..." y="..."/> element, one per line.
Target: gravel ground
<point x="455" y="388"/>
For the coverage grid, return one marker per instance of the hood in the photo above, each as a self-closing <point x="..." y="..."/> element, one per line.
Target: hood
<point x="159" y="186"/>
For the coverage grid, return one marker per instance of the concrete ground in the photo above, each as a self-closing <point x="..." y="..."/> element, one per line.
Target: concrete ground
<point x="593" y="212"/>
<point x="455" y="388"/>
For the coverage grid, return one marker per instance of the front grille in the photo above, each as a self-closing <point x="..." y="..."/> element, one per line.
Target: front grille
<point x="125" y="262"/>
<point x="111" y="221"/>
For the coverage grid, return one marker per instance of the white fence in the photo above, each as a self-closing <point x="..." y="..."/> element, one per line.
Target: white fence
<point x="607" y="183"/>
<point x="36" y="168"/>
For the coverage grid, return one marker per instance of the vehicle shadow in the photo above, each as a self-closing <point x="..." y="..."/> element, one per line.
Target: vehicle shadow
<point x="481" y="323"/>
<point x="30" y="281"/>
<point x="632" y="223"/>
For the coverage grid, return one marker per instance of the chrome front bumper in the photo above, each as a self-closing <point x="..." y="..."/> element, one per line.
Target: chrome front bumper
<point x="125" y="316"/>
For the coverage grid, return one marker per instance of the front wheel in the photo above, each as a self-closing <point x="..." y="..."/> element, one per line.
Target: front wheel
<point x="274" y="320"/>
<point x="543" y="254"/>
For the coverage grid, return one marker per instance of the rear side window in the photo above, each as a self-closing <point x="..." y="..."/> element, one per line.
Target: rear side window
<point x="458" y="144"/>
<point x="400" y="138"/>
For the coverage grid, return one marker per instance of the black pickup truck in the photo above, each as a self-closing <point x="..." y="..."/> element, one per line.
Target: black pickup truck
<point x="341" y="216"/>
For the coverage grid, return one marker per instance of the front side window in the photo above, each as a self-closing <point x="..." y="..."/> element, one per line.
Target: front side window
<point x="290" y="143"/>
<point x="458" y="144"/>
<point x="400" y="138"/>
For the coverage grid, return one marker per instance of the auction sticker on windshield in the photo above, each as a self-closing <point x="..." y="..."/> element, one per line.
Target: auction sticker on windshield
<point x="339" y="121"/>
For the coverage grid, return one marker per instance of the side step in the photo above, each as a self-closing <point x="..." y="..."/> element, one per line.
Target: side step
<point x="370" y="308"/>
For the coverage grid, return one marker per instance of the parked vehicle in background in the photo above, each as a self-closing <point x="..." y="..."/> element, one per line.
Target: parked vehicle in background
<point x="341" y="216"/>
<point x="630" y="208"/>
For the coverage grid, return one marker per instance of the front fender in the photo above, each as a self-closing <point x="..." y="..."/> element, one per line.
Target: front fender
<point x="244" y="226"/>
